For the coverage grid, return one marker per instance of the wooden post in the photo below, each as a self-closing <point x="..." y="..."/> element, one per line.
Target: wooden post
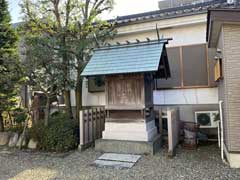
<point x="98" y="123"/>
<point x="160" y="121"/>
<point x="90" y="125"/>
<point x="93" y="126"/>
<point x="103" y="120"/>
<point x="81" y="129"/>
<point x="170" y="133"/>
<point x="102" y="116"/>
<point x="87" y="128"/>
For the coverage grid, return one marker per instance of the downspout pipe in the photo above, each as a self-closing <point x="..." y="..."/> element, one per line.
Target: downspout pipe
<point x="221" y="130"/>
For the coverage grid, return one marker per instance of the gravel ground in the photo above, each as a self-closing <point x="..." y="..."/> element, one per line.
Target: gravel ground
<point x="204" y="163"/>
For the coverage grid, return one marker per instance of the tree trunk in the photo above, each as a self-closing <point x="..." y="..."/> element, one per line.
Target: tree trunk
<point x="78" y="96"/>
<point x="1" y="123"/>
<point x="67" y="101"/>
<point x="10" y="118"/>
<point x="23" y="135"/>
<point x="66" y="92"/>
<point x="47" y="112"/>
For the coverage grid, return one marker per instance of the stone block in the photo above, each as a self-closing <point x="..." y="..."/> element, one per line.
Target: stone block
<point x="129" y="147"/>
<point x="13" y="140"/>
<point x="24" y="143"/>
<point x="4" y="138"/>
<point x="32" y="144"/>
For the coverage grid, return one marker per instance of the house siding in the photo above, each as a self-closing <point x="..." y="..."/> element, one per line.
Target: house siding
<point x="221" y="90"/>
<point x="230" y="86"/>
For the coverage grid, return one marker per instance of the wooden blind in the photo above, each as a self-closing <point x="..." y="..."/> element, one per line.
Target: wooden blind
<point x="217" y="70"/>
<point x="190" y="66"/>
<point x="195" y="67"/>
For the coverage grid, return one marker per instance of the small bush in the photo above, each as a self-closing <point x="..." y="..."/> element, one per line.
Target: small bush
<point x="20" y="115"/>
<point x="60" y="135"/>
<point x="37" y="132"/>
<point x="17" y="129"/>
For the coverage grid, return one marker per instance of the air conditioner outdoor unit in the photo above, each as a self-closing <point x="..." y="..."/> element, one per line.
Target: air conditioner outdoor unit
<point x="230" y="1"/>
<point x="207" y="119"/>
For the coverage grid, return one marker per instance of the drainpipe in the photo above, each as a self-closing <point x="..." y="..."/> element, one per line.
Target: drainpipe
<point x="221" y="129"/>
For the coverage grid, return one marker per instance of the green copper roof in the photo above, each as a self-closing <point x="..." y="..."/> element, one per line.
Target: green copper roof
<point x="132" y="58"/>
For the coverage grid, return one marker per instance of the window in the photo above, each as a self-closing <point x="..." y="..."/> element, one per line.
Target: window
<point x="96" y="84"/>
<point x="190" y="66"/>
<point x="195" y="70"/>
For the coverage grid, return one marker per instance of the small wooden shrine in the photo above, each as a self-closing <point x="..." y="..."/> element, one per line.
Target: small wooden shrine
<point x="129" y="72"/>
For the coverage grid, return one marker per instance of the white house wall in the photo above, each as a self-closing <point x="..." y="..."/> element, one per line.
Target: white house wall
<point x="92" y="99"/>
<point x="184" y="31"/>
<point x="165" y="23"/>
<point x="186" y="96"/>
<point x="164" y="97"/>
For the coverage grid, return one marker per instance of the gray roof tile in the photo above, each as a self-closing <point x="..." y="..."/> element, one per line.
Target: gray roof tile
<point x="172" y="12"/>
<point x="142" y="57"/>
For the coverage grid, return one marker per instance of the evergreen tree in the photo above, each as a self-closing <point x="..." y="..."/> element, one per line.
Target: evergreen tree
<point x="9" y="63"/>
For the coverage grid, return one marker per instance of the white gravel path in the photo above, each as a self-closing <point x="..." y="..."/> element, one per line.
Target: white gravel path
<point x="202" y="164"/>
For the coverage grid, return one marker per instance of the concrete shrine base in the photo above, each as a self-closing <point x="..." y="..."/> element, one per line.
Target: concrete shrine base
<point x="129" y="147"/>
<point x="130" y="131"/>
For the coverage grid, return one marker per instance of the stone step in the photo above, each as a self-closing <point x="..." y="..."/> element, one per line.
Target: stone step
<point x="117" y="160"/>
<point x="113" y="164"/>
<point x="120" y="157"/>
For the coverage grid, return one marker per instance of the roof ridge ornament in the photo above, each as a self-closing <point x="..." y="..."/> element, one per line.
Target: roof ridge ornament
<point x="157" y="32"/>
<point x="136" y="43"/>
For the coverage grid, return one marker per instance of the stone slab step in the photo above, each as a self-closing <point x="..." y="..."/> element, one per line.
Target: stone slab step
<point x="120" y="157"/>
<point x="113" y="164"/>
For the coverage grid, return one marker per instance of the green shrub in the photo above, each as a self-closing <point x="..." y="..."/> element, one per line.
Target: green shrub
<point x="37" y="132"/>
<point x="14" y="119"/>
<point x="19" y="115"/>
<point x="60" y="135"/>
<point x="18" y="129"/>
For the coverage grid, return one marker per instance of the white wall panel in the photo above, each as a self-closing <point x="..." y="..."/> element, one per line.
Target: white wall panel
<point x="186" y="96"/>
<point x="92" y="99"/>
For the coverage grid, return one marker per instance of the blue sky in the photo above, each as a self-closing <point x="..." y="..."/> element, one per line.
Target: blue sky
<point x="14" y="10"/>
<point x="122" y="7"/>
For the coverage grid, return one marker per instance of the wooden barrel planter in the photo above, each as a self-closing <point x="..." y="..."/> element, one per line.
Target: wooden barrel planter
<point x="190" y="135"/>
